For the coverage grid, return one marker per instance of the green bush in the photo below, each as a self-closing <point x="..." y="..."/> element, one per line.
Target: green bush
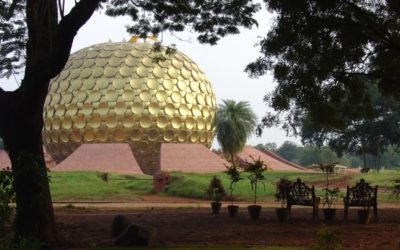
<point x="7" y="196"/>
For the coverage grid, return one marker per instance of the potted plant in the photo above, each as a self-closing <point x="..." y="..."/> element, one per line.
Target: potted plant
<point x="331" y="195"/>
<point x="256" y="171"/>
<point x="281" y="195"/>
<point x="216" y="192"/>
<point x="234" y="176"/>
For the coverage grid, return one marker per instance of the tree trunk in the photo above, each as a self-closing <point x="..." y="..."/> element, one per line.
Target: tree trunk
<point x="22" y="122"/>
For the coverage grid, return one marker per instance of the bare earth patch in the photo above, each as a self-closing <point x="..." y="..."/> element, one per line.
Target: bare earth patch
<point x="197" y="226"/>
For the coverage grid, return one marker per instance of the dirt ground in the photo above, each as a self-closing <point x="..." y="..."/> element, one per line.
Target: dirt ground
<point x="190" y="222"/>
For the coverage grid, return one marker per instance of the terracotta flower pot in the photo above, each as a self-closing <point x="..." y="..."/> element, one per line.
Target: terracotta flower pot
<point x="329" y="213"/>
<point x="232" y="210"/>
<point x="215" y="206"/>
<point x="282" y="214"/>
<point x="254" y="211"/>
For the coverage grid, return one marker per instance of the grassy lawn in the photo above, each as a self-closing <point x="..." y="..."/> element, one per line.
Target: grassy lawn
<point x="89" y="185"/>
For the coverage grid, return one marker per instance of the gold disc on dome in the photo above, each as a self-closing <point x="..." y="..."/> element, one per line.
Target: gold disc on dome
<point x="194" y="137"/>
<point x="111" y="95"/>
<point x="142" y="71"/>
<point x="128" y="121"/>
<point x="120" y="53"/>
<point x="161" y="96"/>
<point x="88" y="136"/>
<point x="72" y="110"/>
<point x="120" y="108"/>
<point x="128" y="95"/>
<point x="47" y="124"/>
<point x="66" y="123"/>
<point x="205" y="111"/>
<point x="85" y="73"/>
<point x="60" y="111"/>
<point x="66" y="98"/>
<point x="92" y="54"/>
<point x="132" y="61"/>
<point x="64" y="136"/>
<point x="79" y="121"/>
<point x="110" y="71"/>
<point x="195" y="75"/>
<point x="168" y="84"/>
<point x="125" y="71"/>
<point x="154" y="108"/>
<point x="169" y="109"/>
<point x="189" y="123"/>
<point x="55" y="98"/>
<point x="152" y="83"/>
<point x="172" y="72"/>
<point x="158" y="72"/>
<point x="162" y="122"/>
<point x="94" y="96"/>
<point x="137" y="53"/>
<point x="143" y="145"/>
<point x="80" y="96"/>
<point x="86" y="109"/>
<point x="168" y="135"/>
<point x="102" y="135"/>
<point x="119" y="135"/>
<point x="201" y="123"/>
<point x="63" y="86"/>
<point x="145" y="121"/>
<point x="64" y="74"/>
<point x="76" y="136"/>
<point x="145" y="96"/>
<point x="209" y="123"/>
<point x="102" y="83"/>
<point x="203" y="136"/>
<point x="183" y="109"/>
<point x="100" y="62"/>
<point x="111" y="121"/>
<point x="153" y="135"/>
<point x="182" y="85"/>
<point x="88" y="63"/>
<point x="46" y="137"/>
<point x="200" y="99"/>
<point x="176" y="97"/>
<point x="186" y="74"/>
<point x="187" y="65"/>
<point x="119" y="83"/>
<point x="136" y="135"/>
<point x="56" y="124"/>
<point x="76" y="64"/>
<point x="74" y="73"/>
<point x="189" y="98"/>
<point x="137" y="108"/>
<point x="142" y="46"/>
<point x="88" y="84"/>
<point x="196" y="111"/>
<point x="102" y="108"/>
<point x="76" y="84"/>
<point x="95" y="121"/>
<point x="105" y="54"/>
<point x="50" y="112"/>
<point x="137" y="83"/>
<point x="182" y="136"/>
<point x="54" y="136"/>
<point x="209" y="100"/>
<point x="147" y="61"/>
<point x="177" y="64"/>
<point x="176" y="122"/>
<point x="203" y="87"/>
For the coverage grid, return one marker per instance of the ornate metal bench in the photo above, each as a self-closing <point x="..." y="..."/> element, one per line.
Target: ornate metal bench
<point x="361" y="195"/>
<point x="301" y="194"/>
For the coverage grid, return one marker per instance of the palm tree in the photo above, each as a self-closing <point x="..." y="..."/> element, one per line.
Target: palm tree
<point x="234" y="123"/>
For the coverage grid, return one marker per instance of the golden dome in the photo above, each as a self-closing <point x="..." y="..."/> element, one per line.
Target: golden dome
<point x="119" y="93"/>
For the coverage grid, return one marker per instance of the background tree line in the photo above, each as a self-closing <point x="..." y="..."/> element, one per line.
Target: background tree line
<point x="309" y="154"/>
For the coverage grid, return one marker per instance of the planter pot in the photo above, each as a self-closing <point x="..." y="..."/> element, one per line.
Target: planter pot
<point x="282" y="214"/>
<point x="232" y="210"/>
<point x="329" y="213"/>
<point x="254" y="211"/>
<point x="215" y="206"/>
<point x="364" y="216"/>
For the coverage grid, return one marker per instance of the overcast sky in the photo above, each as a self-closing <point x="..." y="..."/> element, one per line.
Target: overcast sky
<point x="223" y="63"/>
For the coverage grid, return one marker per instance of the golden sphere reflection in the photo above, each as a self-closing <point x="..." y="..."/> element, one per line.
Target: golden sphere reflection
<point x="117" y="92"/>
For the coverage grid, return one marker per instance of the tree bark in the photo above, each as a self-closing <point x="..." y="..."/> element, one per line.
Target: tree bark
<point x="21" y="114"/>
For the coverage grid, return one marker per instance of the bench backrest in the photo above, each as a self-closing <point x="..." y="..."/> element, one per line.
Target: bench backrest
<point x="361" y="194"/>
<point x="300" y="193"/>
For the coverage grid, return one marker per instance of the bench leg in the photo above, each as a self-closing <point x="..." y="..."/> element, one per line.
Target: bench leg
<point x="289" y="208"/>
<point x="376" y="213"/>
<point x="345" y="211"/>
